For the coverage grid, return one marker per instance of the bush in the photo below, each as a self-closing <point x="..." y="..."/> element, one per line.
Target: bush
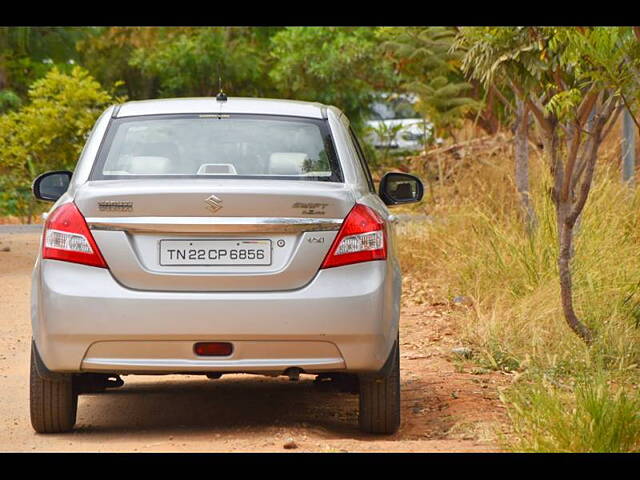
<point x="47" y="133"/>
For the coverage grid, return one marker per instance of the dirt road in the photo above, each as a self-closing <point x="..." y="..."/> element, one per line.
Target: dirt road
<point x="445" y="406"/>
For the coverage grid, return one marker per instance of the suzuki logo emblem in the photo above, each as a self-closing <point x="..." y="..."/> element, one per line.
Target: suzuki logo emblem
<point x="213" y="203"/>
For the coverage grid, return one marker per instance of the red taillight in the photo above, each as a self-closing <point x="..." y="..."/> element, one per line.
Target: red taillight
<point x="67" y="238"/>
<point x="360" y="239"/>
<point x="213" y="349"/>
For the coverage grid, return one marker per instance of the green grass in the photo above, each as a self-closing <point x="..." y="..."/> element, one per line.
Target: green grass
<point x="479" y="248"/>
<point x="590" y="417"/>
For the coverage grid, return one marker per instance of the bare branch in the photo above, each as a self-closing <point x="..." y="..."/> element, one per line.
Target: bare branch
<point x="612" y="121"/>
<point x="502" y="98"/>
<point x="534" y="106"/>
<point x="591" y="157"/>
<point x="538" y="111"/>
<point x="583" y="194"/>
<point x="586" y="106"/>
<point x="582" y="162"/>
<point x="607" y="113"/>
<point x="557" y="171"/>
<point x="571" y="159"/>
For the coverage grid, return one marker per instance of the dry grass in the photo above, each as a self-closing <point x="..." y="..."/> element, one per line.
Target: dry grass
<point x="478" y="248"/>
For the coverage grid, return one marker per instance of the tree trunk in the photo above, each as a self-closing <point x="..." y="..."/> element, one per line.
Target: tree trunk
<point x="565" y="240"/>
<point x="572" y="178"/>
<point x="565" y="236"/>
<point x="521" y="150"/>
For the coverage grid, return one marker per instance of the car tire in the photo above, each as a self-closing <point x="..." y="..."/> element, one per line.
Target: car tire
<point x="53" y="401"/>
<point x="380" y="398"/>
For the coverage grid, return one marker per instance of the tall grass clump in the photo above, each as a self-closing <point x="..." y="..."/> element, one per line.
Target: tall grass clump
<point x="478" y="246"/>
<point x="591" y="417"/>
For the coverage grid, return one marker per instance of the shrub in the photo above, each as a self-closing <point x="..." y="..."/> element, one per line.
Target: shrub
<point x="47" y="133"/>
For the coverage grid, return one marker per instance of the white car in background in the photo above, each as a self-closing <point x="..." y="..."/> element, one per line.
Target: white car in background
<point x="396" y="125"/>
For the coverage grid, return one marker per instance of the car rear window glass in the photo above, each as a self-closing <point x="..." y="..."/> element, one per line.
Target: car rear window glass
<point x="233" y="146"/>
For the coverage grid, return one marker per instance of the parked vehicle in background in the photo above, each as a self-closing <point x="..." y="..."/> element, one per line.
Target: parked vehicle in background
<point x="396" y="125"/>
<point x="213" y="236"/>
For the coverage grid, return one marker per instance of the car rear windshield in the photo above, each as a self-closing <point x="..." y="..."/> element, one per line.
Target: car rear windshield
<point x="221" y="146"/>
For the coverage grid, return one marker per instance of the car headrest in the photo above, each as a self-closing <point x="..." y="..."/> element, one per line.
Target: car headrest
<point x="287" y="163"/>
<point x="160" y="149"/>
<point x="147" y="165"/>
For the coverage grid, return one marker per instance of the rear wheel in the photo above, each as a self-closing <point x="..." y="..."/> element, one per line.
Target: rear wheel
<point x="53" y="401"/>
<point x="380" y="398"/>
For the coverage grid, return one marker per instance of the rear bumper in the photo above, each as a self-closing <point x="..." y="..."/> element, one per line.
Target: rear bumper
<point x="346" y="319"/>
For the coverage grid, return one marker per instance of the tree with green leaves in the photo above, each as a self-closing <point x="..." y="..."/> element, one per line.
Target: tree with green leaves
<point x="501" y="81"/>
<point x="181" y="61"/>
<point x="575" y="82"/>
<point x="106" y="53"/>
<point x="429" y="66"/>
<point x="27" y="53"/>
<point x="340" y="66"/>
<point x="190" y="61"/>
<point x="47" y="133"/>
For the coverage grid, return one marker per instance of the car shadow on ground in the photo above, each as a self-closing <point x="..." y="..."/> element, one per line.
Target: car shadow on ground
<point x="239" y="403"/>
<point x="224" y="405"/>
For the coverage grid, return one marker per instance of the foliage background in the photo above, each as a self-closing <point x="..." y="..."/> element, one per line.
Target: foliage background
<point x="55" y="81"/>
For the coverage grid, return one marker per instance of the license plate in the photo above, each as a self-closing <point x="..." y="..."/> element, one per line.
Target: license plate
<point x="215" y="252"/>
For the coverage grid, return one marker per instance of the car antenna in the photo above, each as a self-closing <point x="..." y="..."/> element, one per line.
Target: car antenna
<point x="221" y="97"/>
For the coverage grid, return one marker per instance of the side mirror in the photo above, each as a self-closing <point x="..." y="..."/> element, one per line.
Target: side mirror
<point x="399" y="188"/>
<point x="50" y="186"/>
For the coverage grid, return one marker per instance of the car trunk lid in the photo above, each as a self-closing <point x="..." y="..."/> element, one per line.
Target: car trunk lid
<point x="295" y="220"/>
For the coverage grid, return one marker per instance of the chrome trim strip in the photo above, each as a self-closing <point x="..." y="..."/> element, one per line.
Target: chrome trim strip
<point x="183" y="364"/>
<point x="214" y="224"/>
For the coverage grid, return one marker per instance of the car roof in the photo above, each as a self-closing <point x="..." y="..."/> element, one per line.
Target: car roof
<point x="269" y="106"/>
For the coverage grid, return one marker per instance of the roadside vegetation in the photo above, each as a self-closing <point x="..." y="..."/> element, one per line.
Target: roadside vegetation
<point x="565" y="396"/>
<point x="531" y="236"/>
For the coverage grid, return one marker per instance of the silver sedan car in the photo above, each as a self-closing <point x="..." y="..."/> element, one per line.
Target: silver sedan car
<point x="213" y="236"/>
